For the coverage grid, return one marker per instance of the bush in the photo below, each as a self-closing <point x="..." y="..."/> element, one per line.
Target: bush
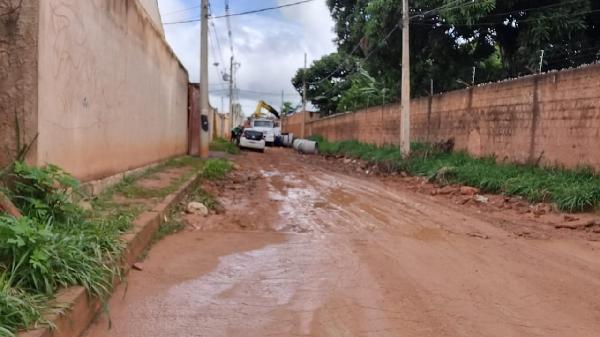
<point x="54" y="245"/>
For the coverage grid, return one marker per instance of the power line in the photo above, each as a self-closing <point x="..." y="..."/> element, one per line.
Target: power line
<point x="242" y="13"/>
<point x="182" y="10"/>
<point x="266" y="93"/>
<point x="491" y="24"/>
<point x="446" y="6"/>
<point x="263" y="9"/>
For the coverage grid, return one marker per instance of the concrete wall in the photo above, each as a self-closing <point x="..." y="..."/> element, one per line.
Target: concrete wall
<point x="112" y="95"/>
<point x="18" y="78"/>
<point x="151" y="7"/>
<point x="222" y="123"/>
<point x="293" y="123"/>
<point x="552" y="118"/>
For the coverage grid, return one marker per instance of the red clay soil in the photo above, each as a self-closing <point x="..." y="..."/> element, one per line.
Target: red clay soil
<point x="305" y="250"/>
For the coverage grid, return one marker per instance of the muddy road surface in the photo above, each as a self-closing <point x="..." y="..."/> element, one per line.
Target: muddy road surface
<point x="306" y="251"/>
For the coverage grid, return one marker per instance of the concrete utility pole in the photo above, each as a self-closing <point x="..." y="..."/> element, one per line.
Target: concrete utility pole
<point x="541" y="61"/>
<point x="231" y="89"/>
<point x="405" y="106"/>
<point x="204" y="107"/>
<point x="303" y="129"/>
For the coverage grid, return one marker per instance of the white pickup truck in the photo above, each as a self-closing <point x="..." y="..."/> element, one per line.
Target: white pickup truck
<point x="269" y="127"/>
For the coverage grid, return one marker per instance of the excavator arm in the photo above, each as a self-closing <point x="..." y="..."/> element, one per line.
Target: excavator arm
<point x="263" y="105"/>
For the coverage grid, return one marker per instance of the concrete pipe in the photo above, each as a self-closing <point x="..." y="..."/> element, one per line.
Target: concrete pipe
<point x="296" y="143"/>
<point x="288" y="139"/>
<point x="306" y="146"/>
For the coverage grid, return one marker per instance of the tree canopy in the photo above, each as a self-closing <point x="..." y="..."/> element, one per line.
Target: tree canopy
<point x="449" y="38"/>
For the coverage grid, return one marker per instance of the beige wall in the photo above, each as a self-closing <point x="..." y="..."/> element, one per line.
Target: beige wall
<point x="112" y="95"/>
<point x="151" y="7"/>
<point x="552" y="118"/>
<point x="222" y="126"/>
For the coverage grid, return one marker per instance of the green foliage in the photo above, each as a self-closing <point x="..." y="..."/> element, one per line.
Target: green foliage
<point x="216" y="169"/>
<point x="44" y="193"/>
<point x="364" y="91"/>
<point x="222" y="145"/>
<point x="327" y="78"/>
<point x="18" y="308"/>
<point x="288" y="108"/>
<point x="448" y="38"/>
<point x="56" y="244"/>
<point x="571" y="190"/>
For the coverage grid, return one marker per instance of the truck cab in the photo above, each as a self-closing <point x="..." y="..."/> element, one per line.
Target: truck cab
<point x="268" y="127"/>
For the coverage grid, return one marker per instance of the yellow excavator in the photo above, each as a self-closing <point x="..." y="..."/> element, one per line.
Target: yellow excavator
<point x="263" y="105"/>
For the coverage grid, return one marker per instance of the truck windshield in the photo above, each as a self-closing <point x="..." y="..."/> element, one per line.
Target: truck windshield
<point x="263" y="124"/>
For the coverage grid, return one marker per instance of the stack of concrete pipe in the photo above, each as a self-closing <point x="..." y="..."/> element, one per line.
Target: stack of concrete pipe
<point x="306" y="146"/>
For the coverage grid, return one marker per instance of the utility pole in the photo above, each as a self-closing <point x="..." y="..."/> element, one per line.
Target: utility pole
<point x="231" y="89"/>
<point x="541" y="61"/>
<point x="405" y="105"/>
<point x="281" y="116"/>
<point x="473" y="79"/>
<point x="303" y="129"/>
<point x="204" y="107"/>
<point x="431" y="87"/>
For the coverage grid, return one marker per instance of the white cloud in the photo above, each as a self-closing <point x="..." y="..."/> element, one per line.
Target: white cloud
<point x="270" y="48"/>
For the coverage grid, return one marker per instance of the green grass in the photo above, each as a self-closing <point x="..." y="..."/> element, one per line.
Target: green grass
<point x="222" y="145"/>
<point x="57" y="244"/>
<point x="570" y="190"/>
<point x="215" y="169"/>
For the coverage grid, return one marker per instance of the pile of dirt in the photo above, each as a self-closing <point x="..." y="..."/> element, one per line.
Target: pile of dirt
<point x="236" y="210"/>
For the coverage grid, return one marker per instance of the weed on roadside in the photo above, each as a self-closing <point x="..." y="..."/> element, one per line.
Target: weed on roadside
<point x="222" y="145"/>
<point x="216" y="169"/>
<point x="571" y="190"/>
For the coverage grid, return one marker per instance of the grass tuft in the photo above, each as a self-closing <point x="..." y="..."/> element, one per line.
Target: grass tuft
<point x="215" y="169"/>
<point x="222" y="145"/>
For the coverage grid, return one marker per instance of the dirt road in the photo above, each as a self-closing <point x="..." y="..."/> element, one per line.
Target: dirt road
<point x="304" y="251"/>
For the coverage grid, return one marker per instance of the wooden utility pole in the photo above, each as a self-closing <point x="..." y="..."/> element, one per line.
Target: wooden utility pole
<point x="304" y="88"/>
<point x="405" y="105"/>
<point x="204" y="106"/>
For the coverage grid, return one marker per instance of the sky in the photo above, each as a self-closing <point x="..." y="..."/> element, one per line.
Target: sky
<point x="269" y="46"/>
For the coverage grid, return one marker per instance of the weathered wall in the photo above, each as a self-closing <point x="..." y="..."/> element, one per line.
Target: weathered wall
<point x="293" y="123"/>
<point x="552" y="118"/>
<point x="151" y="7"/>
<point x="112" y="95"/>
<point x="18" y="77"/>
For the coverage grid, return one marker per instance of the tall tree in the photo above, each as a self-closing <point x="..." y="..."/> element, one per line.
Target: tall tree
<point x="327" y="78"/>
<point x="500" y="38"/>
